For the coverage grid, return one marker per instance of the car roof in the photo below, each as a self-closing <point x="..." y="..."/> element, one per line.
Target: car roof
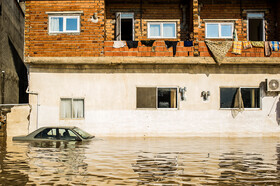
<point x="59" y="127"/>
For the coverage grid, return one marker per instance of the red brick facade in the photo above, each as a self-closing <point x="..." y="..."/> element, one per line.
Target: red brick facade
<point x="95" y="39"/>
<point x="39" y="43"/>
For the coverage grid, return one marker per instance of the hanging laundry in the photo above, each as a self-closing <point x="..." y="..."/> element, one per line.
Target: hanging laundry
<point x="188" y="43"/>
<point x="237" y="47"/>
<point x="219" y="49"/>
<point x="267" y="48"/>
<point x="258" y="44"/>
<point x="247" y="45"/>
<point x="132" y="44"/>
<point x="171" y="44"/>
<point x="274" y="45"/>
<point x="119" y="44"/>
<point x="148" y="43"/>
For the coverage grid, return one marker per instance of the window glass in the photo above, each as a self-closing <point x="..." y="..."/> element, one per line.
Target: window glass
<point x="251" y="97"/>
<point x="212" y="30"/>
<point x="72" y="24"/>
<point x="146" y="97"/>
<point x="167" y="98"/>
<point x="78" y="108"/>
<point x="56" y="24"/>
<point x="255" y="15"/>
<point x="227" y="96"/>
<point x="226" y="30"/>
<point x="168" y="30"/>
<point x="46" y="134"/>
<point x="65" y="108"/>
<point x="155" y="30"/>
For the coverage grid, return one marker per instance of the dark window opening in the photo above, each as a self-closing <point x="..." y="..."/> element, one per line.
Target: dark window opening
<point x="250" y="98"/>
<point x="167" y="98"/>
<point x="256" y="30"/>
<point x="151" y="97"/>
<point x="126" y="29"/>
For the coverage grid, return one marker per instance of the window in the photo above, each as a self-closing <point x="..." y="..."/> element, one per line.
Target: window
<point x="162" y="30"/>
<point x="255" y="27"/>
<point x="239" y="97"/>
<point x="47" y="134"/>
<point x="124" y="26"/>
<point x="152" y="97"/>
<point x="64" y="24"/>
<point x="71" y="108"/>
<point x="219" y="30"/>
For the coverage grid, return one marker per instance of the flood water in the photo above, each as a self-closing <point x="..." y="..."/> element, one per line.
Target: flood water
<point x="142" y="161"/>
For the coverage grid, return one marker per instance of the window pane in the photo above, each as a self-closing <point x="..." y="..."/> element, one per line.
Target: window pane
<point x="255" y="15"/>
<point x="78" y="108"/>
<point x="227" y="96"/>
<point x="168" y="30"/>
<point x="226" y="30"/>
<point x="167" y="98"/>
<point x="146" y="97"/>
<point x="155" y="30"/>
<point x="212" y="30"/>
<point x="56" y="24"/>
<point x="65" y="108"/>
<point x="71" y="24"/>
<point x="251" y="97"/>
<point x="127" y="15"/>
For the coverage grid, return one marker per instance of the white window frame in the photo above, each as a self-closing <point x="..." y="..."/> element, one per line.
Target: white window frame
<point x="159" y="87"/>
<point x="161" y="29"/>
<point x="219" y="30"/>
<point x="72" y="109"/>
<point x="250" y="109"/>
<point x="64" y="24"/>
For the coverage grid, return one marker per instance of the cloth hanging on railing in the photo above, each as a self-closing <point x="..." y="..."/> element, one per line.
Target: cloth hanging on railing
<point x="147" y="43"/>
<point x="119" y="44"/>
<point x="171" y="44"/>
<point x="274" y="45"/>
<point x="258" y="44"/>
<point x="267" y="48"/>
<point x="219" y="49"/>
<point x="132" y="44"/>
<point x="247" y="45"/>
<point x="188" y="43"/>
<point x="237" y="47"/>
<point x="238" y="105"/>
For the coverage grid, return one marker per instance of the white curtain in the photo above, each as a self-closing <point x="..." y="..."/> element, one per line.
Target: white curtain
<point x="65" y="108"/>
<point x="78" y="108"/>
<point x="54" y="24"/>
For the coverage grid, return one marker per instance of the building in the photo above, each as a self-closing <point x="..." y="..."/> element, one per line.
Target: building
<point x="13" y="71"/>
<point x="81" y="73"/>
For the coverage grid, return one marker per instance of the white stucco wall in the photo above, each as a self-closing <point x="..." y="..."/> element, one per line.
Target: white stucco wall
<point x="110" y="104"/>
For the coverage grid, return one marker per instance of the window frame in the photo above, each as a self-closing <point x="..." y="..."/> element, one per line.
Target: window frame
<point x="72" y="108"/>
<point x="156" y="88"/>
<point x="255" y="17"/>
<point x="219" y="30"/>
<point x="161" y="23"/>
<point x="65" y="17"/>
<point x="250" y="109"/>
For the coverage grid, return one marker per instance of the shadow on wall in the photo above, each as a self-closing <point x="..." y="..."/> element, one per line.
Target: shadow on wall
<point x="21" y="71"/>
<point x="278" y="112"/>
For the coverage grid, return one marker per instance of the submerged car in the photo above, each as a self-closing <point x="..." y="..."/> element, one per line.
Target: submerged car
<point x="55" y="134"/>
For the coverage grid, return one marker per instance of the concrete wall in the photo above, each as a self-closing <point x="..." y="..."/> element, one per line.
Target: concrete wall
<point x="13" y="81"/>
<point x="18" y="120"/>
<point x="110" y="100"/>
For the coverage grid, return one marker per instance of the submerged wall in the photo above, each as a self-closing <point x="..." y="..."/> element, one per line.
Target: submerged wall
<point x="109" y="94"/>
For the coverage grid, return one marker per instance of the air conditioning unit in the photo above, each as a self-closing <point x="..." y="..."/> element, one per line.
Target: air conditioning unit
<point x="273" y="85"/>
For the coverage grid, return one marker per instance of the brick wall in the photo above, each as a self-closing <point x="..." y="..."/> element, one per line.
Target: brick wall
<point x="165" y="10"/>
<point x="234" y="10"/>
<point x="39" y="43"/>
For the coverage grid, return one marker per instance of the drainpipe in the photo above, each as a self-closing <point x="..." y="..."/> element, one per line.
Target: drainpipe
<point x="37" y="94"/>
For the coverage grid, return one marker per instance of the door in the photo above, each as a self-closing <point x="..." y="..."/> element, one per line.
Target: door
<point x="255" y="27"/>
<point x="124" y="26"/>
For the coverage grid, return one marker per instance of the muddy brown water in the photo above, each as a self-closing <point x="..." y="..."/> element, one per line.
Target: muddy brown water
<point x="142" y="161"/>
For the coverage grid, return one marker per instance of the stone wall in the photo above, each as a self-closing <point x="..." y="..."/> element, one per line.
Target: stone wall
<point x="13" y="77"/>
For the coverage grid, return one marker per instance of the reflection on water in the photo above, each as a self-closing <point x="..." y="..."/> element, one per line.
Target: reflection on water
<point x="139" y="161"/>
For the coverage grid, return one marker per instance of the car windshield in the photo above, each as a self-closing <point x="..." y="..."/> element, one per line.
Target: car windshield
<point x="82" y="133"/>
